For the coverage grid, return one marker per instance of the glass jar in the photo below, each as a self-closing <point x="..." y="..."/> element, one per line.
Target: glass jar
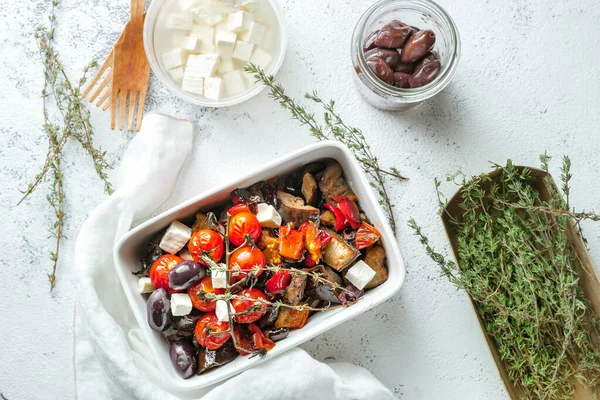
<point x="423" y="14"/>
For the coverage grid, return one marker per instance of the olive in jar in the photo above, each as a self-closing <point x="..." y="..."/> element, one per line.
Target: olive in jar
<point x="402" y="80"/>
<point x="426" y="71"/>
<point x="393" y="35"/>
<point x="391" y="57"/>
<point x="419" y="44"/>
<point x="381" y="70"/>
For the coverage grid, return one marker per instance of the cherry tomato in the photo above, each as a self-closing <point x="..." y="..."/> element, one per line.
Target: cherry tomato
<point x="242" y="224"/>
<point x="246" y="258"/>
<point x="244" y="305"/>
<point x="200" y="302"/>
<point x="211" y="333"/>
<point x="206" y="241"/>
<point x="238" y="208"/>
<point x="159" y="272"/>
<point x="366" y="236"/>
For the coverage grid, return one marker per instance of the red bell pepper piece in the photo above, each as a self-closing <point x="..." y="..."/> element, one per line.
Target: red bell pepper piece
<point x="340" y="219"/>
<point x="278" y="282"/>
<point x="349" y="209"/>
<point x="314" y="241"/>
<point x="259" y="339"/>
<point x="238" y="208"/>
<point x="366" y="236"/>
<point x="291" y="243"/>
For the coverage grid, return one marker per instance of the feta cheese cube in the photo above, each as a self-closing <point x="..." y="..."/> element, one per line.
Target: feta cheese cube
<point x="261" y="58"/>
<point x="225" y="66"/>
<point x="193" y="85"/>
<point x="252" y="5"/>
<point x="268" y="216"/>
<point x="176" y="236"/>
<point x="179" y="21"/>
<point x="181" y="304"/>
<point x="190" y="43"/>
<point x="239" y="21"/>
<point x="360" y="274"/>
<point x="213" y="88"/>
<point x="234" y="82"/>
<point x="185" y="254"/>
<point x="172" y="59"/>
<point x="176" y="73"/>
<point x="218" y="278"/>
<point x="221" y="310"/>
<point x="225" y="42"/>
<point x="145" y="285"/>
<point x="186" y="5"/>
<point x="255" y="34"/>
<point x="205" y="13"/>
<point x="206" y="36"/>
<point x="243" y="51"/>
<point x="224" y="6"/>
<point x="201" y="65"/>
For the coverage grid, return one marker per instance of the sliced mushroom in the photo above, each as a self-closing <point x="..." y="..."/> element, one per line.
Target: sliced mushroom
<point x="208" y="359"/>
<point x="295" y="290"/>
<point x="338" y="254"/>
<point x="375" y="258"/>
<point x="310" y="189"/>
<point x="328" y="218"/>
<point x="333" y="183"/>
<point x="292" y="209"/>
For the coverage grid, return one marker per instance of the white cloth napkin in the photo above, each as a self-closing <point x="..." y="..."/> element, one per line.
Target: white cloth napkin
<point x="111" y="358"/>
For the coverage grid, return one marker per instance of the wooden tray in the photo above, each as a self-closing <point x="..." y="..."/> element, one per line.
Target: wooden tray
<point x="588" y="277"/>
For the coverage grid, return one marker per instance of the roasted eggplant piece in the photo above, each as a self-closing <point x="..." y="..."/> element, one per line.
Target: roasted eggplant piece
<point x="186" y="323"/>
<point x="375" y="258"/>
<point x="291" y="318"/>
<point x="293" y="210"/>
<point x="333" y="183"/>
<point x="277" y="334"/>
<point x="295" y="290"/>
<point x="269" y="318"/>
<point x="338" y="254"/>
<point x="310" y="189"/>
<point x="208" y="359"/>
<point x="328" y="219"/>
<point x="323" y="291"/>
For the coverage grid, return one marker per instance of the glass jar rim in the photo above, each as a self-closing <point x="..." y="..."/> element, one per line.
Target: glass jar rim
<point x="412" y="95"/>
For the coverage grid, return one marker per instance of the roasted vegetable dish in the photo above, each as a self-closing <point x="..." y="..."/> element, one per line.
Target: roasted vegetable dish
<point x="238" y="278"/>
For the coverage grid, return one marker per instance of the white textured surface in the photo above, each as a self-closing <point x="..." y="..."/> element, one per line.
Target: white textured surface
<point x="527" y="82"/>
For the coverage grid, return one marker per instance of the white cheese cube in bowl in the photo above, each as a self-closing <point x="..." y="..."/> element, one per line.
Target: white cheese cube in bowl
<point x="202" y="65"/>
<point x="172" y="59"/>
<point x="213" y="88"/>
<point x="224" y="6"/>
<point x="181" y="304"/>
<point x="145" y="285"/>
<point x="225" y="66"/>
<point x="175" y="237"/>
<point x="234" y="82"/>
<point x="239" y="21"/>
<point x="193" y="85"/>
<point x="179" y="21"/>
<point x="243" y="51"/>
<point x="360" y="274"/>
<point x="186" y="5"/>
<point x="190" y="43"/>
<point x="205" y="13"/>
<point x="255" y="34"/>
<point x="225" y="42"/>
<point x="268" y="216"/>
<point x="206" y="37"/>
<point x="176" y="73"/>
<point x="251" y="5"/>
<point x="261" y="58"/>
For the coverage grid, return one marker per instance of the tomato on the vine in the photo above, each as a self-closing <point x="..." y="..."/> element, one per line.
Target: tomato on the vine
<point x="206" y="242"/>
<point x="211" y="333"/>
<point x="159" y="271"/>
<point x="197" y="295"/>
<point x="242" y="224"/>
<point x="246" y="305"/>
<point x="246" y="258"/>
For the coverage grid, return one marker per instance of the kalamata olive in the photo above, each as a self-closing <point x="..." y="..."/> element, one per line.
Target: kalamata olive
<point x="277" y="334"/>
<point x="183" y="357"/>
<point x="370" y="41"/>
<point x="325" y="292"/>
<point x="350" y="293"/>
<point x="186" y="274"/>
<point x="417" y="45"/>
<point x="406" y="68"/>
<point x="269" y="318"/>
<point x="186" y="322"/>
<point x="381" y="70"/>
<point x="425" y="71"/>
<point x="159" y="310"/>
<point x="393" y="35"/>
<point x="391" y="57"/>
<point x="402" y="80"/>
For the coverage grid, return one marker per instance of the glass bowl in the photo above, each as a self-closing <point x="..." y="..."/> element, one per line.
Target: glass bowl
<point x="424" y="14"/>
<point x="155" y="16"/>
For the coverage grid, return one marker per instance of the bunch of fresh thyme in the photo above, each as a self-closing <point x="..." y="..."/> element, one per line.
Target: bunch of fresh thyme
<point x="521" y="271"/>
<point x="74" y="123"/>
<point x="335" y="129"/>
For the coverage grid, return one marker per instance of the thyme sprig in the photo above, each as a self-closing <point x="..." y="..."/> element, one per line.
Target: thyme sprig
<point x="74" y="123"/>
<point x="518" y="266"/>
<point x="334" y="128"/>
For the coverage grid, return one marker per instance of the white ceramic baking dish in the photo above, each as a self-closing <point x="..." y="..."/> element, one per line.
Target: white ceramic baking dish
<point x="128" y="252"/>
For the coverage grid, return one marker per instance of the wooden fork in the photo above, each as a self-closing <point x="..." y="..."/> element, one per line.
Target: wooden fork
<point x="130" y="71"/>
